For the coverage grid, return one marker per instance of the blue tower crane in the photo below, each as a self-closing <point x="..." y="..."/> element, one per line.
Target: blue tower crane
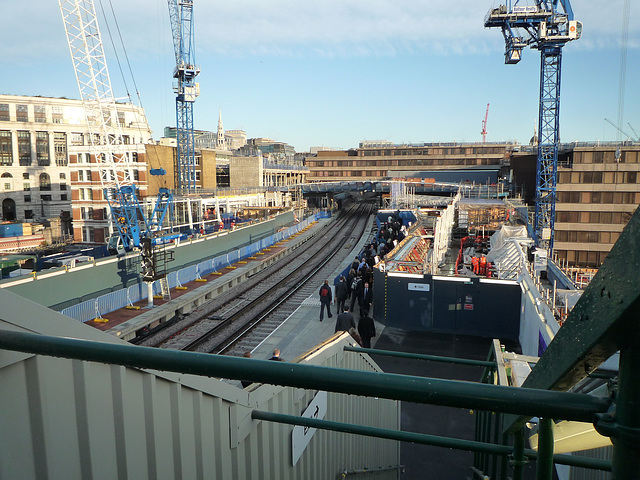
<point x="547" y="29"/>
<point x="186" y="89"/>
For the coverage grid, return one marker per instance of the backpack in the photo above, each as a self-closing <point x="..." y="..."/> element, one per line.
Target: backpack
<point x="324" y="292"/>
<point x="355" y="283"/>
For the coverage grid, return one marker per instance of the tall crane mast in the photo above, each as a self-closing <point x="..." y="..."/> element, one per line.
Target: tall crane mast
<point x="186" y="89"/>
<point x="106" y="139"/>
<point x="484" y="125"/>
<point x="548" y="30"/>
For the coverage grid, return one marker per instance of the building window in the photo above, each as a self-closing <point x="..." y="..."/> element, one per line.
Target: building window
<point x="45" y="198"/>
<point x="42" y="149"/>
<point x="24" y="148"/>
<point x="121" y="119"/>
<point x="27" y="198"/>
<point x="87" y="234"/>
<point x="76" y="139"/>
<point x="40" y="113"/>
<point x="7" y="181"/>
<point x="4" y="112"/>
<point x="136" y="175"/>
<point x="60" y="149"/>
<point x="25" y="176"/>
<point x="28" y="214"/>
<point x="56" y="115"/>
<point x="134" y="157"/>
<point x="26" y="186"/>
<point x="63" y="197"/>
<point x="45" y="182"/>
<point x="22" y="113"/>
<point x="63" y="186"/>
<point x="6" y="158"/>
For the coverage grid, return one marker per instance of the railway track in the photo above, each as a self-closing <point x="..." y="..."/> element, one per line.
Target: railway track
<point x="242" y="317"/>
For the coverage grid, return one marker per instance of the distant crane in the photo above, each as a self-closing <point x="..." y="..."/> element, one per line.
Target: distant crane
<point x="622" y="131"/>
<point x="186" y="90"/>
<point x="128" y="221"/>
<point x="484" y="125"/>
<point x="547" y="30"/>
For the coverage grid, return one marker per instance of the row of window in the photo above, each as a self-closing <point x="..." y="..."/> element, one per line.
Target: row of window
<point x="42" y="150"/>
<point x="586" y="237"/>
<point x="433" y="151"/>
<point x="403" y="163"/>
<point x="44" y="181"/>
<point x="89" y="233"/>
<point x="607" y="157"/>
<point x="626" y="198"/>
<point x="86" y="157"/>
<point x="40" y="114"/>
<point x="349" y="173"/>
<point x="22" y="113"/>
<point x="597" y="177"/>
<point x="607" y="218"/>
<point x="580" y="258"/>
<point x="47" y="198"/>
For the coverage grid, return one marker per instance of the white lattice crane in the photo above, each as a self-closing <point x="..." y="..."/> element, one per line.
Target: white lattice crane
<point x="107" y="144"/>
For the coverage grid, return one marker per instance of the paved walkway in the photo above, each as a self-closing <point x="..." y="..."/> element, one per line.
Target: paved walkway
<point x="303" y="330"/>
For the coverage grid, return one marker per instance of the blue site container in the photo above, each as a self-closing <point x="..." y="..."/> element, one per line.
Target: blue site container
<point x="11" y="230"/>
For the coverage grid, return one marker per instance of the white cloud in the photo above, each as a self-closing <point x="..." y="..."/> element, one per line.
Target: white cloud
<point x="295" y="28"/>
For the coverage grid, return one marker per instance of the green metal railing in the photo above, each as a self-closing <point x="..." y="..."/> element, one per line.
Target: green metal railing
<point x="476" y="396"/>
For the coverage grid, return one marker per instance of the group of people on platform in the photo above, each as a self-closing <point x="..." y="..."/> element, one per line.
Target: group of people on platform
<point x="360" y="291"/>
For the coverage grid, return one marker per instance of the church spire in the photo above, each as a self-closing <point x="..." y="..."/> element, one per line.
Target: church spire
<point x="220" y="140"/>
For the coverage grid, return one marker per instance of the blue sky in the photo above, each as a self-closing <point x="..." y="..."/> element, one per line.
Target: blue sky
<point x="337" y="72"/>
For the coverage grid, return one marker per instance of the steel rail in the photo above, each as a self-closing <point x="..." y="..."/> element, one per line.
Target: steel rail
<point x="238" y="335"/>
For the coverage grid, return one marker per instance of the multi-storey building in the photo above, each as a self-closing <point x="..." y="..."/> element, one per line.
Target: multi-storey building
<point x="46" y="168"/>
<point x="598" y="186"/>
<point x="377" y="161"/>
<point x="598" y="190"/>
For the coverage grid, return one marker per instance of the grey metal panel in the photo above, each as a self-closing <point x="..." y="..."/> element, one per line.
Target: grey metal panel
<point x="467" y="307"/>
<point x="74" y="420"/>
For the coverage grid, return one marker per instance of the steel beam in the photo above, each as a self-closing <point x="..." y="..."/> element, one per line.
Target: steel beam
<point x="417" y="356"/>
<point x="424" y="439"/>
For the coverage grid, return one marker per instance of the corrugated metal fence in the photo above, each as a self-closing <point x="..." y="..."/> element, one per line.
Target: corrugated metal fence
<point x="104" y="304"/>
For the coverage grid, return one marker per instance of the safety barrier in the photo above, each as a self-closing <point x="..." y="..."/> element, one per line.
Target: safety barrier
<point x="110" y="302"/>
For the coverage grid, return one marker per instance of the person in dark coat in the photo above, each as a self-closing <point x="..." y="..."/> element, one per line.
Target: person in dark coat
<point x="276" y="356"/>
<point x="345" y="321"/>
<point x="342" y="293"/>
<point x="325" y="299"/>
<point x="364" y="298"/>
<point x="355" y="264"/>
<point x="366" y="329"/>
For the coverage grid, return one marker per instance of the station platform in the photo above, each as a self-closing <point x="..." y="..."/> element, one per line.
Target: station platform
<point x="303" y="330"/>
<point x="124" y="322"/>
